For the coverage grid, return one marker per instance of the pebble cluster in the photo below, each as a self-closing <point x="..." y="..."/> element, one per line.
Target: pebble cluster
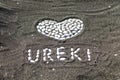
<point x="60" y="30"/>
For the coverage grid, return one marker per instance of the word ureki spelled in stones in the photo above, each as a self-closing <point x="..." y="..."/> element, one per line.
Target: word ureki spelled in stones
<point x="59" y="56"/>
<point x="62" y="30"/>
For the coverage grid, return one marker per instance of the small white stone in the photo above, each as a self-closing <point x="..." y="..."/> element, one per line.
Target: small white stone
<point x="50" y="26"/>
<point x="49" y="30"/>
<point x="109" y="6"/>
<point x="115" y="54"/>
<point x="38" y="27"/>
<point x="46" y="22"/>
<point x="39" y="30"/>
<point x="29" y="50"/>
<point x="79" y="21"/>
<point x="46" y="31"/>
<point x="41" y="75"/>
<point x="65" y="32"/>
<point x="56" y="36"/>
<point x="37" y="56"/>
<point x="47" y="62"/>
<point x="32" y="61"/>
<point x="43" y="29"/>
<point x="53" y="69"/>
<point x="17" y="3"/>
<point x="62" y="59"/>
<point x="70" y="20"/>
<point x="36" y="59"/>
<point x="62" y="38"/>
<point x="29" y="58"/>
<point x="29" y="54"/>
<point x="44" y="58"/>
<point x="52" y="34"/>
<point x="78" y="27"/>
<point x="40" y="24"/>
<point x="81" y="24"/>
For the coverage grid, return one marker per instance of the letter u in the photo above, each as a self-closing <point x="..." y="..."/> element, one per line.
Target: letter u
<point x="30" y="58"/>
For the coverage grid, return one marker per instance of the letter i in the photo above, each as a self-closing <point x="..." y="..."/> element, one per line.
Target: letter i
<point x="88" y="55"/>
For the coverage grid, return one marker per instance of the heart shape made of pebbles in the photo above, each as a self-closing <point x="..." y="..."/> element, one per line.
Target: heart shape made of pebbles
<point x="60" y="30"/>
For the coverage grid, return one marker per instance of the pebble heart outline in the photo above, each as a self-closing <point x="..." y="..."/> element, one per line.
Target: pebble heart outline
<point x="62" y="30"/>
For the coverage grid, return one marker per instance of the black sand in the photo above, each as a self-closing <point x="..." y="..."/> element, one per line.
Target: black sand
<point x="18" y="33"/>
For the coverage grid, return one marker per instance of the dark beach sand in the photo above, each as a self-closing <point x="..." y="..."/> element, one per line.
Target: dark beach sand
<point x="101" y="34"/>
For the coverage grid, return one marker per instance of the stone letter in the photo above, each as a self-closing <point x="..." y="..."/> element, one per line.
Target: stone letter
<point x="88" y="55"/>
<point x="73" y="54"/>
<point x="60" y="54"/>
<point x="47" y="54"/>
<point x="30" y="58"/>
